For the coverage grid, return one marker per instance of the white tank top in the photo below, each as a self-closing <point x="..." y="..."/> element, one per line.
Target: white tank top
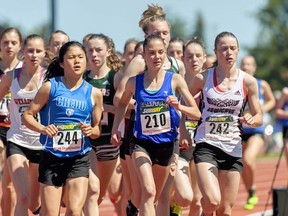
<point x="4" y="110"/>
<point x="20" y="100"/>
<point x="219" y="125"/>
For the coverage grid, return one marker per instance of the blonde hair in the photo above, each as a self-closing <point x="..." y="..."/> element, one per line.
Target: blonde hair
<point x="153" y="13"/>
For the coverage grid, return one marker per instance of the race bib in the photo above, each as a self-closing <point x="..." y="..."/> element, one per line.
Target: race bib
<point x="21" y="111"/>
<point x="219" y="128"/>
<point x="4" y="105"/>
<point x="191" y="127"/>
<point x="156" y="119"/>
<point x="68" y="138"/>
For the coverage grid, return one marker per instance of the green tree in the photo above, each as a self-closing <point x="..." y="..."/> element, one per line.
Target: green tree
<point x="271" y="51"/>
<point x="199" y="29"/>
<point x="179" y="27"/>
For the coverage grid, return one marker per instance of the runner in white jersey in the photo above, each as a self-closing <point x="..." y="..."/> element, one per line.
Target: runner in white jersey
<point x="23" y="147"/>
<point x="225" y="90"/>
<point x="10" y="45"/>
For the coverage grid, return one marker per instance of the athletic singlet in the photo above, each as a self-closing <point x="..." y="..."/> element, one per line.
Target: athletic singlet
<point x="106" y="85"/>
<point x="284" y="122"/>
<point x="219" y="125"/>
<point x="155" y="120"/>
<point x="174" y="68"/>
<point x="66" y="109"/>
<point x="20" y="101"/>
<point x="174" y="65"/>
<point x="250" y="130"/>
<point x="4" y="103"/>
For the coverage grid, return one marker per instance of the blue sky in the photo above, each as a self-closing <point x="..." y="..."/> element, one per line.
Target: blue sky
<point x="119" y="19"/>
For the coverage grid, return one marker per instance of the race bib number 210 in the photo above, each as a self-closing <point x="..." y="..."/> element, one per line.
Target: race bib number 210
<point x="155" y="120"/>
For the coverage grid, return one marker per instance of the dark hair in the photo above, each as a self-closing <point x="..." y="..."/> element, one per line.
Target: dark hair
<point x="150" y="38"/>
<point x="179" y="40"/>
<point x="139" y="44"/>
<point x="54" y="69"/>
<point x="113" y="61"/>
<point x="195" y="40"/>
<point x="217" y="39"/>
<point x="11" y="29"/>
<point x="224" y="34"/>
<point x="56" y="32"/>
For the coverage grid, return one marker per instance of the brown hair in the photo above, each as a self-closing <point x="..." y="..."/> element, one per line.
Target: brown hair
<point x="11" y="29"/>
<point x="113" y="60"/>
<point x="195" y="40"/>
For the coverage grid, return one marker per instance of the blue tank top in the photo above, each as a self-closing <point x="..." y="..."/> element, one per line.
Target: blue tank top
<point x="284" y="122"/>
<point x="258" y="130"/>
<point x="155" y="120"/>
<point x="66" y="109"/>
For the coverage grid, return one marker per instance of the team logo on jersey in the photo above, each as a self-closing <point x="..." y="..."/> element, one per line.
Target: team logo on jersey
<point x="222" y="103"/>
<point x="106" y="82"/>
<point x="69" y="112"/>
<point x="237" y="93"/>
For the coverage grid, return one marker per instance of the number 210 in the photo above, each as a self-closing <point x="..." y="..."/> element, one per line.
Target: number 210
<point x="158" y="120"/>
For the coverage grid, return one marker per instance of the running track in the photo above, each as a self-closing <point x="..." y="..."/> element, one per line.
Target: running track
<point x="265" y="173"/>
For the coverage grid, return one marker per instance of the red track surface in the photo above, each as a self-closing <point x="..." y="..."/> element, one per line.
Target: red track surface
<point x="265" y="172"/>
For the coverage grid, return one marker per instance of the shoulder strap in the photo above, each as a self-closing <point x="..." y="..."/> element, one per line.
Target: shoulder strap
<point x="174" y="63"/>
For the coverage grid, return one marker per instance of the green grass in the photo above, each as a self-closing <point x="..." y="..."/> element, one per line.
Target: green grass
<point x="270" y="155"/>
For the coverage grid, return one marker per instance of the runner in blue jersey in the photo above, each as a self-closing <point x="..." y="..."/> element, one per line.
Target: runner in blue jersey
<point x="253" y="138"/>
<point x="281" y="113"/>
<point x="70" y="113"/>
<point x="153" y="21"/>
<point x="156" y="121"/>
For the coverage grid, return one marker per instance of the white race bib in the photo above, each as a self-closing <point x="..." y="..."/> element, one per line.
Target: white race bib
<point x="4" y="105"/>
<point x="219" y="128"/>
<point x="155" y="120"/>
<point x="68" y="138"/>
<point x="191" y="127"/>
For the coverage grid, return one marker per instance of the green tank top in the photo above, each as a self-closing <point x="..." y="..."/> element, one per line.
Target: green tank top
<point x="174" y="65"/>
<point x="106" y="85"/>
